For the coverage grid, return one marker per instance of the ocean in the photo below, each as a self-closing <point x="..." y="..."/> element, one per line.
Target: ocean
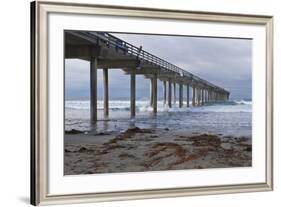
<point x="231" y="118"/>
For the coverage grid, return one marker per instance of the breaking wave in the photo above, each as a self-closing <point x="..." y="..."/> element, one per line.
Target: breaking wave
<point x="143" y="106"/>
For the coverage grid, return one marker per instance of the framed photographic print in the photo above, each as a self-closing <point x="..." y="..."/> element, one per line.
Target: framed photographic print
<point x="132" y="103"/>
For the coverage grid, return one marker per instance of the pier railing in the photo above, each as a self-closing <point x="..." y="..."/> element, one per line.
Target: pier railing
<point x="142" y="55"/>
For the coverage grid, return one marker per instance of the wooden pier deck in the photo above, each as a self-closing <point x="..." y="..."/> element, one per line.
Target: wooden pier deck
<point x="105" y="51"/>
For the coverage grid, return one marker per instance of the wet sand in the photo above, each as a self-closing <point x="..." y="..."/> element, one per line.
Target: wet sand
<point x="144" y="149"/>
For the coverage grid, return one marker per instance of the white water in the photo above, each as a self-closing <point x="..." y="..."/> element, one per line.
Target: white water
<point x="143" y="106"/>
<point x="227" y="117"/>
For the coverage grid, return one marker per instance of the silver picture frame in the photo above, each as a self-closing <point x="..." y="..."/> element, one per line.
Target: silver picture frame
<point x="39" y="100"/>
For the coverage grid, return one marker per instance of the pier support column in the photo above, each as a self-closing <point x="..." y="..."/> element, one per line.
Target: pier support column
<point x="175" y="92"/>
<point x="133" y="94"/>
<point x="169" y="93"/>
<point x="216" y="96"/>
<point x="193" y="95"/>
<point x="154" y="93"/>
<point x="204" y="93"/>
<point x="187" y="95"/>
<point x="198" y="94"/>
<point x="151" y="92"/>
<point x="93" y="89"/>
<point x="164" y="92"/>
<point x="105" y="92"/>
<point x="202" y="96"/>
<point x="180" y="95"/>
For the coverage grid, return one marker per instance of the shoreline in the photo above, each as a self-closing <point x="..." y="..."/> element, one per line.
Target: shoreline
<point x="152" y="149"/>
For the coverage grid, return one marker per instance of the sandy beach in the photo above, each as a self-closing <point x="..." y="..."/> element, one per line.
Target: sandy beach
<point x="148" y="149"/>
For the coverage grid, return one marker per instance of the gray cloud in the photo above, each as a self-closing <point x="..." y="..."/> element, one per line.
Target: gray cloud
<point x="215" y="58"/>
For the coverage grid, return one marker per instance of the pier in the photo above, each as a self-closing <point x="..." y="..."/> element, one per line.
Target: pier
<point x="105" y="51"/>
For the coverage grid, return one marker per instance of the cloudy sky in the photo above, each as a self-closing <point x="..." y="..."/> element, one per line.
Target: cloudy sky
<point x="224" y="62"/>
